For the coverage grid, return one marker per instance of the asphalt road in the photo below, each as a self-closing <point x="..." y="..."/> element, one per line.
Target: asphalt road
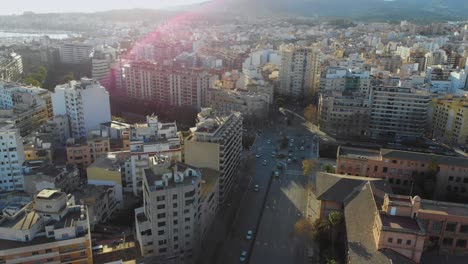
<point x="272" y="211"/>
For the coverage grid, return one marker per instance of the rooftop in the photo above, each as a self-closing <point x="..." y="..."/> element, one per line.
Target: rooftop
<point x="402" y="223"/>
<point x="111" y="161"/>
<point x="443" y="208"/>
<point x="49" y="194"/>
<point x="357" y="153"/>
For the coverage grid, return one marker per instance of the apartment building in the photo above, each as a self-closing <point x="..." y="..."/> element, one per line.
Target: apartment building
<point x="167" y="84"/>
<point x="11" y="66"/>
<point x="11" y="158"/>
<point x="85" y="102"/>
<point x="398" y="112"/>
<point x="245" y="102"/>
<point x="101" y="62"/>
<point x="168" y="226"/>
<point x="147" y="140"/>
<point x="216" y="143"/>
<point x="300" y="71"/>
<point x="402" y="168"/>
<point x="344" y="115"/>
<point x="346" y="80"/>
<point x="38" y="147"/>
<point x="100" y="201"/>
<point x="27" y="107"/>
<point x="75" y="52"/>
<point x="40" y="175"/>
<point x="49" y="229"/>
<point x="85" y="151"/>
<point x="450" y="120"/>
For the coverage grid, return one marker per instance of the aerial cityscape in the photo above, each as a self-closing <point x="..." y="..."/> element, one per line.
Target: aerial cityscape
<point x="234" y="131"/>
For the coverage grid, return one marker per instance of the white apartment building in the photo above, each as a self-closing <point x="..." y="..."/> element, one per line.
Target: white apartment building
<point x="11" y="158"/>
<point x="398" y="112"/>
<point x="50" y="229"/>
<point x="216" y="143"/>
<point x="11" y="66"/>
<point x="300" y="70"/>
<point x="75" y="52"/>
<point x="245" y="102"/>
<point x="168" y="226"/>
<point x="85" y="102"/>
<point x="147" y="140"/>
<point x="346" y="80"/>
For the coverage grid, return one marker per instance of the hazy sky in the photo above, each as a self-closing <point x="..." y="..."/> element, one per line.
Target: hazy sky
<point x="50" y="6"/>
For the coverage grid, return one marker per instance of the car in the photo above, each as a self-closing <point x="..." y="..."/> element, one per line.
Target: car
<point x="249" y="235"/>
<point x="243" y="256"/>
<point x="258" y="155"/>
<point x="290" y="155"/>
<point x="273" y="155"/>
<point x="289" y="160"/>
<point x="276" y="173"/>
<point x="291" y="145"/>
<point x="264" y="162"/>
<point x="302" y="148"/>
<point x="256" y="187"/>
<point x="292" y="140"/>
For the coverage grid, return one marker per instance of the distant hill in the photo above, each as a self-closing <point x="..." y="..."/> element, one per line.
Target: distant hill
<point x="357" y="9"/>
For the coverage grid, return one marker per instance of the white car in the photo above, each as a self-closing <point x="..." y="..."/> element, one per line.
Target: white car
<point x="276" y="173"/>
<point x="243" y="256"/>
<point x="264" y="162"/>
<point x="258" y="155"/>
<point x="302" y="148"/>
<point x="249" y="235"/>
<point x="256" y="187"/>
<point x="289" y="160"/>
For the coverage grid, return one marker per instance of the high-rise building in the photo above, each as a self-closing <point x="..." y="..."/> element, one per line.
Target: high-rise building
<point x="216" y="143"/>
<point x="50" y="229"/>
<point x="11" y="66"/>
<point x="12" y="158"/>
<point x="300" y="71"/>
<point x="75" y="52"/>
<point x="149" y="139"/>
<point x="398" y="112"/>
<point x="85" y="102"/>
<point x="169" y="226"/>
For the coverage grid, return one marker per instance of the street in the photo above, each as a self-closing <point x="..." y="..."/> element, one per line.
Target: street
<point x="271" y="212"/>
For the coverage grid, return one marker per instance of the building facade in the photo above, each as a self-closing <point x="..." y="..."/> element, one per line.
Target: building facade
<point x="11" y="159"/>
<point x="75" y="53"/>
<point x="11" y="66"/>
<point x="85" y="151"/>
<point x="300" y="71"/>
<point x="49" y="229"/>
<point x="216" y="143"/>
<point x="398" y="112"/>
<point x="450" y="120"/>
<point x="86" y="103"/>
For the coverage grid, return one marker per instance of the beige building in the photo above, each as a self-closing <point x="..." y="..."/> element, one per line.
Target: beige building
<point x="49" y="229"/>
<point x="216" y="143"/>
<point x="300" y="71"/>
<point x="450" y="120"/>
<point x="85" y="151"/>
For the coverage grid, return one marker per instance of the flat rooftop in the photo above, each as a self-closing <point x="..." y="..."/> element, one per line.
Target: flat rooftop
<point x="356" y="153"/>
<point x="443" y="208"/>
<point x="399" y="222"/>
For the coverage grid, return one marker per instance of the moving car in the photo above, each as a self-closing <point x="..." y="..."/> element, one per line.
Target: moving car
<point x="249" y="235"/>
<point x="276" y="173"/>
<point x="258" y="155"/>
<point x="256" y="187"/>
<point x="243" y="256"/>
<point x="264" y="162"/>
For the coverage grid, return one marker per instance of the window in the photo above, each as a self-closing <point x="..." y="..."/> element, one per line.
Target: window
<point x="187" y="219"/>
<point x="161" y="206"/>
<point x="176" y="238"/>
<point x="162" y="242"/>
<point x="390" y="240"/>
<point x="174" y="196"/>
<point x="384" y="169"/>
<point x="175" y="222"/>
<point x="450" y="178"/>
<point x="162" y="250"/>
<point x="174" y="205"/>
<point x="461" y="243"/>
<point x="451" y="227"/>
<point x="186" y="211"/>
<point x="408" y="242"/>
<point x="464" y="229"/>
<point x="48" y="250"/>
<point x="465" y="180"/>
<point x="161" y="215"/>
<point x="160" y="224"/>
<point x="50" y="259"/>
<point x="399" y="241"/>
<point x="436" y="226"/>
<point x="34" y="253"/>
<point x="150" y="243"/>
<point x="447" y="241"/>
<point x="160" y="198"/>
<point x="457" y="179"/>
<point x="161" y="232"/>
<point x="174" y="214"/>
<point x="187" y="228"/>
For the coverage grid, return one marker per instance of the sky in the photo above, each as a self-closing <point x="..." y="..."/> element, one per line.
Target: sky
<point x="59" y="6"/>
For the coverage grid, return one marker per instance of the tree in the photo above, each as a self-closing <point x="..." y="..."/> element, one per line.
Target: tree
<point x="32" y="81"/>
<point x="334" y="219"/>
<point x="328" y="168"/>
<point x="118" y="119"/>
<point x="304" y="229"/>
<point x="308" y="166"/>
<point x="42" y="70"/>
<point x="310" y="114"/>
